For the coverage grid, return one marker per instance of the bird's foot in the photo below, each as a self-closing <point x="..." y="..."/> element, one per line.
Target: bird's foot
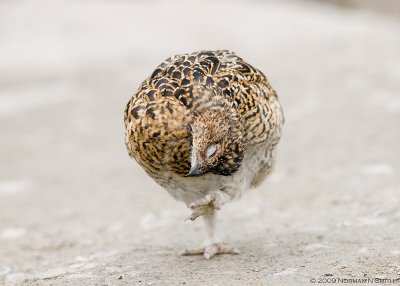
<point x="207" y="204"/>
<point x="211" y="250"/>
<point x="199" y="211"/>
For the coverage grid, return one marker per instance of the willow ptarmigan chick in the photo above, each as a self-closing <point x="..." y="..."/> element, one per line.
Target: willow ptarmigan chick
<point x="205" y="126"/>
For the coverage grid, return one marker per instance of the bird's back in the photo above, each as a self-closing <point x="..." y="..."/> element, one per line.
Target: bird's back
<point x="159" y="114"/>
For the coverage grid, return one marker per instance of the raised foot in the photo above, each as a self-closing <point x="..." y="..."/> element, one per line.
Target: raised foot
<point x="207" y="204"/>
<point x="211" y="250"/>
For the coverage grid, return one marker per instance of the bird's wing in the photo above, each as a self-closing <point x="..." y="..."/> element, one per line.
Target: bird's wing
<point x="158" y="133"/>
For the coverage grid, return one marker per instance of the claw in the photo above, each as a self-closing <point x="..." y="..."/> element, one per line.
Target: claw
<point x="191" y="218"/>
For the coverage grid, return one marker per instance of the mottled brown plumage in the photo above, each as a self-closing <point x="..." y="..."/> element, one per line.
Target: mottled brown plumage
<point x="204" y="125"/>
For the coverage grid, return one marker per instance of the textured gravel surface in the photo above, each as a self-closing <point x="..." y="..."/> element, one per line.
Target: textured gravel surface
<point x="75" y="210"/>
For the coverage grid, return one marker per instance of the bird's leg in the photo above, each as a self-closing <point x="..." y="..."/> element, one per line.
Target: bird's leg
<point x="212" y="245"/>
<point x="207" y="206"/>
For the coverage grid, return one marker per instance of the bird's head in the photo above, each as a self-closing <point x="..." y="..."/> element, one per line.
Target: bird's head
<point x="218" y="142"/>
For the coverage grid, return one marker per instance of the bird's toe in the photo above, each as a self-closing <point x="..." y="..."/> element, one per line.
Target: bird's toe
<point x="196" y="212"/>
<point x="195" y="251"/>
<point x="211" y="250"/>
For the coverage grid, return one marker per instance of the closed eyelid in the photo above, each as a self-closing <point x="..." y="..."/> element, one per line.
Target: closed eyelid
<point x="211" y="150"/>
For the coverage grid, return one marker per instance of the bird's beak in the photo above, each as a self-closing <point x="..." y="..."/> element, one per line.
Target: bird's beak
<point x="195" y="163"/>
<point x="194" y="171"/>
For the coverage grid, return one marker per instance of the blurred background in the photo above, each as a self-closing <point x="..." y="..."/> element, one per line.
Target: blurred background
<point x="74" y="208"/>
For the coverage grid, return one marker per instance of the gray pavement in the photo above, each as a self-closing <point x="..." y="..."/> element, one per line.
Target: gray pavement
<point x="75" y="210"/>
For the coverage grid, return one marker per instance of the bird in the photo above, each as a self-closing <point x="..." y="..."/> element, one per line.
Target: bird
<point x="205" y="126"/>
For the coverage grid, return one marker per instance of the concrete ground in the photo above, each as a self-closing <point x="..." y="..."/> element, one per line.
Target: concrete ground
<point x="75" y="210"/>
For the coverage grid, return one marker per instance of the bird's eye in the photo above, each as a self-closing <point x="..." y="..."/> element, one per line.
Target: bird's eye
<point x="211" y="150"/>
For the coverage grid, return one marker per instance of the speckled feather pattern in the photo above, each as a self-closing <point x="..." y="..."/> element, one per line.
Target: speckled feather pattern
<point x="189" y="89"/>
